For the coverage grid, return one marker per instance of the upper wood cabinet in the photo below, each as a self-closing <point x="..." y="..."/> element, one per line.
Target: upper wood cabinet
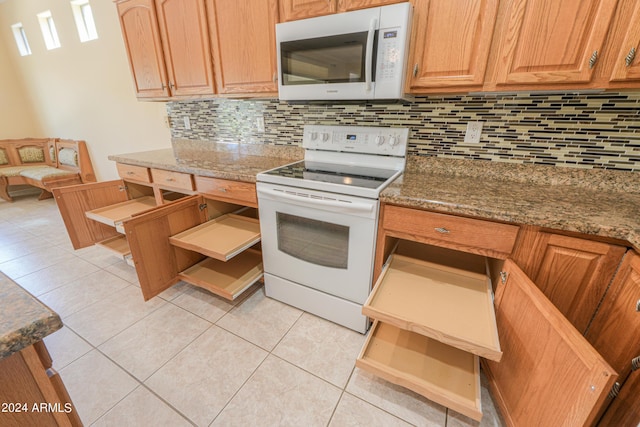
<point x="168" y="47"/>
<point x="291" y="10"/>
<point x="244" y="45"/>
<point x="450" y="44"/>
<point x="546" y="42"/>
<point x="626" y="62"/>
<point x="573" y="273"/>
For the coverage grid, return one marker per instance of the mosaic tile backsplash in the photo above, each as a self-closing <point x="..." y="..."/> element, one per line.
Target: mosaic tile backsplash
<point x="586" y="130"/>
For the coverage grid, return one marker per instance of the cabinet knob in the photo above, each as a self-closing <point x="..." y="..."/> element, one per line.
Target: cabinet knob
<point x="222" y="189"/>
<point x="415" y="70"/>
<point x="593" y="59"/>
<point x="442" y="230"/>
<point x="638" y="305"/>
<point x="630" y="57"/>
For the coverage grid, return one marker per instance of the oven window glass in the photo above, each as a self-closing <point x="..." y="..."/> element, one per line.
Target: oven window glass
<point x="334" y="59"/>
<point x="318" y="242"/>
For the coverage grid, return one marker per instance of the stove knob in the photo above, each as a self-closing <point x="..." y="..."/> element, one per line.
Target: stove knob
<point x="393" y="141"/>
<point x="379" y="139"/>
<point x="314" y="136"/>
<point x="325" y="136"/>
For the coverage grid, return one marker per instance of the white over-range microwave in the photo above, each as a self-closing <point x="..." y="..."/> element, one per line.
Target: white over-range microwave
<point x="359" y="55"/>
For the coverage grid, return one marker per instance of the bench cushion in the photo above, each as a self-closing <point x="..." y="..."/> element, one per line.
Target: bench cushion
<point x="68" y="157"/>
<point x="15" y="170"/>
<point x="45" y="172"/>
<point x="31" y="154"/>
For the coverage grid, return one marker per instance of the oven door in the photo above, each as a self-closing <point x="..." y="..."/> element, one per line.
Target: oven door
<point x="320" y="240"/>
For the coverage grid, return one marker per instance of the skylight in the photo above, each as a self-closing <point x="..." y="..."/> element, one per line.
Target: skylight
<point x="21" y="39"/>
<point x="48" y="28"/>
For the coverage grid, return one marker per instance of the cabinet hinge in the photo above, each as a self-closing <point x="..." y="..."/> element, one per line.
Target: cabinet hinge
<point x="122" y="188"/>
<point x="638" y="305"/>
<point x="628" y="60"/>
<point x="635" y="363"/>
<point x="415" y="70"/>
<point x="593" y="59"/>
<point x="202" y="206"/>
<point x="503" y="277"/>
<point x="615" y="390"/>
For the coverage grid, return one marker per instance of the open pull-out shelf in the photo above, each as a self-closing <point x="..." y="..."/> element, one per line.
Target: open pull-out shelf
<point x="221" y="238"/>
<point x="441" y="373"/>
<point x="448" y="303"/>
<point x="114" y="215"/>
<point x="226" y="279"/>
<point x="119" y="246"/>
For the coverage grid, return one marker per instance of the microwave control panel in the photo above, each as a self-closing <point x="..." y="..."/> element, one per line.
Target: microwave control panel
<point x="390" y="54"/>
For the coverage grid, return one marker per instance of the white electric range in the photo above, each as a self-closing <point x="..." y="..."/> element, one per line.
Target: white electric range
<point x="319" y="216"/>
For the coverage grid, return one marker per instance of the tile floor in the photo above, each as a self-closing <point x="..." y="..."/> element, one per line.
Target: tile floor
<point x="188" y="357"/>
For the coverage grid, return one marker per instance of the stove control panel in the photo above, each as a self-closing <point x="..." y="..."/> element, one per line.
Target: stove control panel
<point x="357" y="139"/>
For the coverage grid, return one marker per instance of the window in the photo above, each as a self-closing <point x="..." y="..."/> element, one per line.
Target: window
<point x="84" y="20"/>
<point x="48" y="30"/>
<point x="21" y="39"/>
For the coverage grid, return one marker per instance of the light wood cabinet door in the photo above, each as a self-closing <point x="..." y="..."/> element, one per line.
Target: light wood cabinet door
<point x="291" y="10"/>
<point x="625" y="408"/>
<point x="614" y="330"/>
<point x="157" y="262"/>
<point x="546" y="42"/>
<point x="574" y="273"/>
<point x="185" y="40"/>
<point x="141" y="35"/>
<point x="450" y="44"/>
<point x="346" y="5"/>
<point x="627" y="62"/>
<point x="244" y="45"/>
<point x="73" y="201"/>
<point x="549" y="375"/>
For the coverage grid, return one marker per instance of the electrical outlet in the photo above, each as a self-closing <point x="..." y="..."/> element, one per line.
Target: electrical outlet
<point x="474" y="130"/>
<point x="187" y="122"/>
<point x="260" y="124"/>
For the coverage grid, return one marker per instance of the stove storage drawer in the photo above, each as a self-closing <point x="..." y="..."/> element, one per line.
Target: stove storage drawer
<point x="464" y="234"/>
<point x="227" y="190"/>
<point x="134" y="173"/>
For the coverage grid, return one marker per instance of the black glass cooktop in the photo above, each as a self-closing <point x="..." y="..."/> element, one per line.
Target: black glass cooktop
<point x="356" y="176"/>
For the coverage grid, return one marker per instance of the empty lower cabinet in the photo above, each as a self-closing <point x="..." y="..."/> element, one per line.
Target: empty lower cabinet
<point x="197" y="240"/>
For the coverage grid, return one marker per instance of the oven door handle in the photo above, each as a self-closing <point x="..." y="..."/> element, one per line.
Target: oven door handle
<point x="368" y="66"/>
<point x="342" y="207"/>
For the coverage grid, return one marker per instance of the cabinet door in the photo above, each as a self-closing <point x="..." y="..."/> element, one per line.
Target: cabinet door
<point x="550" y="41"/>
<point x="574" y="274"/>
<point x="243" y="39"/>
<point x="625" y="408"/>
<point x="346" y="5"/>
<point x="614" y="330"/>
<point x="185" y="39"/>
<point x="443" y="56"/>
<point x="549" y="375"/>
<point x="627" y="62"/>
<point x="141" y="35"/>
<point x="73" y="201"/>
<point x="291" y="10"/>
<point x="158" y="262"/>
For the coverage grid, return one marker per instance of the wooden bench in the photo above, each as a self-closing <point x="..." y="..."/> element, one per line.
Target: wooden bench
<point x="44" y="163"/>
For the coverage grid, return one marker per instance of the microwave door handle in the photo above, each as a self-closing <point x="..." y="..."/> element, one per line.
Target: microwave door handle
<point x="368" y="67"/>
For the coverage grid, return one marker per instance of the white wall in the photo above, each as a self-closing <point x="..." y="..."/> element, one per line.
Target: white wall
<point x="79" y="91"/>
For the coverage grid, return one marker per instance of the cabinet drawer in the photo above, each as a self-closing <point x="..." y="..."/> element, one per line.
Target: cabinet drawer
<point x="137" y="173"/>
<point x="183" y="181"/>
<point x="244" y="192"/>
<point x="464" y="234"/>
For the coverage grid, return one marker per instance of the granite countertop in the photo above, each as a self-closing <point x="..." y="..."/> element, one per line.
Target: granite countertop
<point x="596" y="202"/>
<point x="23" y="319"/>
<point x="238" y="162"/>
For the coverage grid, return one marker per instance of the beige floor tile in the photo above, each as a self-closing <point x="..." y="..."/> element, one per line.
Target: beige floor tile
<point x="204" y="376"/>
<point x="65" y="346"/>
<point x="95" y="385"/>
<point x="260" y="320"/>
<point x="112" y="315"/>
<point x="280" y="394"/>
<point x="399" y="401"/>
<point x="98" y="256"/>
<point x="147" y="345"/>
<point x="353" y="412"/>
<point x="10" y="250"/>
<point x="141" y="408"/>
<point x="203" y="303"/>
<point x="80" y="293"/>
<point x="173" y="292"/>
<point x="490" y="415"/>
<point x="34" y="261"/>
<point x="123" y="270"/>
<point x="50" y="278"/>
<point x="322" y="348"/>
